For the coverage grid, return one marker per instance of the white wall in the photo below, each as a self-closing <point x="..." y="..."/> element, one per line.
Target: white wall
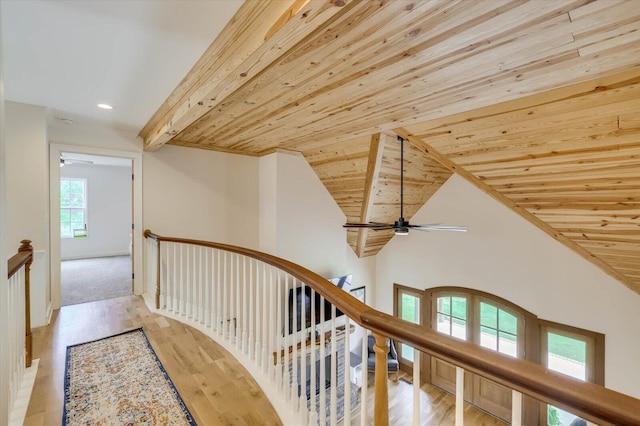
<point x="505" y="255"/>
<point x="27" y="202"/>
<point x="306" y="222"/>
<point x="193" y="193"/>
<point x="27" y="175"/>
<point x="4" y="254"/>
<point x="108" y="212"/>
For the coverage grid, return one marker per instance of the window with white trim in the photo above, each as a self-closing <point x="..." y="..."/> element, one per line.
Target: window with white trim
<point x="73" y="207"/>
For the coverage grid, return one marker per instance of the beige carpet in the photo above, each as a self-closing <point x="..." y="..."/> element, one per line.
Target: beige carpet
<point x="87" y="280"/>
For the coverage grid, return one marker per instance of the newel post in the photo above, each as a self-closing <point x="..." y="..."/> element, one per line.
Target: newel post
<point x="381" y="402"/>
<point x="26" y="247"/>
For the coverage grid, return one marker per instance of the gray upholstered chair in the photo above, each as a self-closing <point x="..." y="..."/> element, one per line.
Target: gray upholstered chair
<point x="393" y="366"/>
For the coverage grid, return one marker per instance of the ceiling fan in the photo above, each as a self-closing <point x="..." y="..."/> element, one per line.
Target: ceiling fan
<point x="401" y="226"/>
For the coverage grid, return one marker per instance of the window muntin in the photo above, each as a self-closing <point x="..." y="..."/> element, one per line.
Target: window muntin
<point x="498" y="329"/>
<point x="73" y="206"/>
<point x="451" y="316"/>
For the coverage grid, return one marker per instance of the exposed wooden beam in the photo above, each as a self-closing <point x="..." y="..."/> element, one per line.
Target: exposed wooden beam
<point x="456" y="168"/>
<point x="373" y="171"/>
<point x="244" y="49"/>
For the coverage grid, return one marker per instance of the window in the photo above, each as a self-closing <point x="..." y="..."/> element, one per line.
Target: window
<point x="502" y="326"/>
<point x="407" y="308"/>
<point x="498" y="330"/>
<point x="572" y="351"/>
<point x="451" y="316"/>
<point x="73" y="207"/>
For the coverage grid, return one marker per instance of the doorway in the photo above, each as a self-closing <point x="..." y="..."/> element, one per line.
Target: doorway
<point x="132" y="163"/>
<point x="95" y="227"/>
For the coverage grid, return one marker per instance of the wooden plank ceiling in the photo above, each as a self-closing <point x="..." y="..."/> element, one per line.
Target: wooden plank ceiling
<point x="535" y="102"/>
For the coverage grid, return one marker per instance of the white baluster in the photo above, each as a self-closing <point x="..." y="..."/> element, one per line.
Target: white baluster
<point x="225" y="295"/>
<point x="313" y="409"/>
<point x="295" y="397"/>
<point x="207" y="287"/>
<point x="303" y="357"/>
<point x="265" y="319"/>
<point x="183" y="292"/>
<point x="334" y="368"/>
<point x="416" y="387"/>
<point x="237" y="323"/>
<point x="279" y="337"/>
<point x="258" y="319"/>
<point x="271" y="348"/>
<point x="245" y="307"/>
<point x="199" y="298"/>
<point x="232" y="298"/>
<point x="364" y="383"/>
<point x="287" y="342"/>
<point x="251" y="346"/>
<point x="219" y="277"/>
<point x="459" y="396"/>
<point x="323" y="372"/>
<point x="516" y="408"/>
<point x="347" y="372"/>
<point x="188" y="282"/>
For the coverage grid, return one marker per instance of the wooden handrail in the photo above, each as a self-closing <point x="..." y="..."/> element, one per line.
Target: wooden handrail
<point x="17" y="261"/>
<point x="24" y="257"/>
<point x="587" y="400"/>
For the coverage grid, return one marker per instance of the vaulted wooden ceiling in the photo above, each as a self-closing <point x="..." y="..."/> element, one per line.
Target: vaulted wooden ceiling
<point x="535" y="102"/>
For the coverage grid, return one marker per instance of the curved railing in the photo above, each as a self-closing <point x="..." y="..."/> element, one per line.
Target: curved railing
<point x="18" y="342"/>
<point x="241" y="295"/>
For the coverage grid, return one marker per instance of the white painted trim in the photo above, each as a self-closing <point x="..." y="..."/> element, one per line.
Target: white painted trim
<point x="19" y="409"/>
<point x="54" y="212"/>
<point x="49" y="313"/>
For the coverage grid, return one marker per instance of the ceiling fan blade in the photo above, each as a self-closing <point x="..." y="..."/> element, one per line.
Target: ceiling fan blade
<point x="368" y="225"/>
<point x="437" y="227"/>
<point x="66" y="160"/>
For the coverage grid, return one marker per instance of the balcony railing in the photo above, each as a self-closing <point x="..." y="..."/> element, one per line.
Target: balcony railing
<point x="18" y="343"/>
<point x="248" y="301"/>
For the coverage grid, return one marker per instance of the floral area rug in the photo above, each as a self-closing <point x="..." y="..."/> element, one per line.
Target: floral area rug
<point x="119" y="380"/>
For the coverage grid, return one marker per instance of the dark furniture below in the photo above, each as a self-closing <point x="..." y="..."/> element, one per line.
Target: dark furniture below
<point x="393" y="366"/>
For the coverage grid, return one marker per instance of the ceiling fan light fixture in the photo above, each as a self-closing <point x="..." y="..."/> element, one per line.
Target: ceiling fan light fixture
<point x="402" y="231"/>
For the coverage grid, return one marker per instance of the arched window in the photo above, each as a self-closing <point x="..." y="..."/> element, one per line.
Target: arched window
<point x="502" y="326"/>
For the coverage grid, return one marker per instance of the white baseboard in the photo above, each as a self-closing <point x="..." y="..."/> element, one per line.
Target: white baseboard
<point x="19" y="410"/>
<point x="91" y="256"/>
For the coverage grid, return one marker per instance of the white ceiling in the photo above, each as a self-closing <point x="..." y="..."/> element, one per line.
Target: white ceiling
<point x="71" y="55"/>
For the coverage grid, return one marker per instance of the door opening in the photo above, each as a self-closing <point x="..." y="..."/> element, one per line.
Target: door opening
<point x="96" y="216"/>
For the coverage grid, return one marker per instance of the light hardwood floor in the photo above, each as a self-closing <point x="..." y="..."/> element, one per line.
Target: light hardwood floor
<point x="437" y="407"/>
<point x="215" y="387"/>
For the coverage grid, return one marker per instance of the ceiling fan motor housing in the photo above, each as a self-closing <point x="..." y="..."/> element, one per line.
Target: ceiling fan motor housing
<point x="401" y="226"/>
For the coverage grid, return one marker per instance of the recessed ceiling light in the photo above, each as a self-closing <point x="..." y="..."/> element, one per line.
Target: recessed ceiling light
<point x="105" y="106"/>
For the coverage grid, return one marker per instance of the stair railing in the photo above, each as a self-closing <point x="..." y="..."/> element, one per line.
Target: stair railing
<point x="252" y="303"/>
<point x="19" y="340"/>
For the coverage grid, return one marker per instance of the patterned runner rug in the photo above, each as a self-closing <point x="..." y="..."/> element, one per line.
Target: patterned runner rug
<point x="119" y="380"/>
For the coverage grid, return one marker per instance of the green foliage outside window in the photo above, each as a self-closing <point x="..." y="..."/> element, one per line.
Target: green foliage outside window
<point x="72" y="206"/>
